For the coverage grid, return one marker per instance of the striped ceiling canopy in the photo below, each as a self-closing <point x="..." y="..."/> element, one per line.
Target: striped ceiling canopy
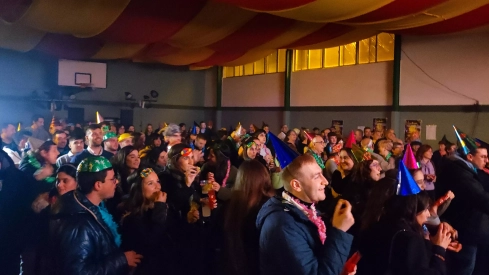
<point x="202" y="33"/>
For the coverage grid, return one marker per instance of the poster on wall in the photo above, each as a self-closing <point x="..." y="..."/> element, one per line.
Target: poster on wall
<point x="380" y="124"/>
<point x="412" y="127"/>
<point x="338" y="126"/>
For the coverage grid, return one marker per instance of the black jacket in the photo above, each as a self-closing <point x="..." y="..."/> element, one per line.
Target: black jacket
<point x="469" y="210"/>
<point x="146" y="234"/>
<point x="394" y="247"/>
<point x="81" y="241"/>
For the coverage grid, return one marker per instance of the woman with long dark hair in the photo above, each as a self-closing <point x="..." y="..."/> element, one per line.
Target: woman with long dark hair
<point x="343" y="174"/>
<point x="143" y="227"/>
<point x="219" y="170"/>
<point x="156" y="158"/>
<point x="397" y="243"/>
<point x="364" y="176"/>
<point x="252" y="189"/>
<point x="125" y="162"/>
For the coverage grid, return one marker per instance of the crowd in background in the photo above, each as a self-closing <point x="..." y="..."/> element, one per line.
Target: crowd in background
<point x="106" y="199"/>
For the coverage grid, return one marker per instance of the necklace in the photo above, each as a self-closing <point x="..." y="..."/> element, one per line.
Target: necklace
<point x="227" y="174"/>
<point x="311" y="214"/>
<point x="318" y="159"/>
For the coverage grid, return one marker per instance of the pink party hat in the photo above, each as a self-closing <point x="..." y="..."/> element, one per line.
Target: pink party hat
<point x="409" y="160"/>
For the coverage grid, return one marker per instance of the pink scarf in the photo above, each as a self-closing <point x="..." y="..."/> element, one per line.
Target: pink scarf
<point x="311" y="214"/>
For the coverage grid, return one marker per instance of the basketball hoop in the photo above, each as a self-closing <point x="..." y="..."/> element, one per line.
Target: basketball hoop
<point x="86" y="85"/>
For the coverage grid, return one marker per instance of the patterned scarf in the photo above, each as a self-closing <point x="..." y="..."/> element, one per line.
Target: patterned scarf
<point x="32" y="160"/>
<point x="310" y="212"/>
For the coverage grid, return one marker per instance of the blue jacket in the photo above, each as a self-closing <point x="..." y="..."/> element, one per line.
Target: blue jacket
<point x="290" y="244"/>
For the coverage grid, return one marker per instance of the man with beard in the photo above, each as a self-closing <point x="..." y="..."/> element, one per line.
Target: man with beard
<point x="198" y="146"/>
<point x="94" y="139"/>
<point x="84" y="237"/>
<point x="61" y="140"/>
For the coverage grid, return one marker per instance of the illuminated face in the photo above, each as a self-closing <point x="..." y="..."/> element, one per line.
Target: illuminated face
<point x="65" y="183"/>
<point x="133" y="160"/>
<point x="111" y="144"/>
<point x="346" y="162"/>
<point x="252" y="151"/>
<point x="313" y="182"/>
<point x="76" y="146"/>
<point x="61" y="140"/>
<point x="94" y="137"/>
<point x="150" y="186"/>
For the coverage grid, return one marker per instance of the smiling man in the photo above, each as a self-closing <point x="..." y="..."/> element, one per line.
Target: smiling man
<point x="292" y="235"/>
<point x="94" y="138"/>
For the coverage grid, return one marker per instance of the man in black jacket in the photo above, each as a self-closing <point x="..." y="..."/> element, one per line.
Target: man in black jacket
<point x="469" y="211"/>
<point x="84" y="236"/>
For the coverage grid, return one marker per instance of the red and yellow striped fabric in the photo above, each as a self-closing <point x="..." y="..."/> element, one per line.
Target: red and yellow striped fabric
<point x="203" y="33"/>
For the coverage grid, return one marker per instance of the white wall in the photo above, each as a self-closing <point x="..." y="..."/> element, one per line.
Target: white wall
<point x="460" y="62"/>
<point x="359" y="85"/>
<point x="264" y="90"/>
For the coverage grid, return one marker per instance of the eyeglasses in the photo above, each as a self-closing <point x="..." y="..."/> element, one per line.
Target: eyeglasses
<point x="320" y="142"/>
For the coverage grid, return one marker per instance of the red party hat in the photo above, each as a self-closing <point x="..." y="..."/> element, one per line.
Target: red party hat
<point x="409" y="159"/>
<point x="351" y="140"/>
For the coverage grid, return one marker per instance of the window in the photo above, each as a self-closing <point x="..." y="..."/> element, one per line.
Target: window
<point x="377" y="48"/>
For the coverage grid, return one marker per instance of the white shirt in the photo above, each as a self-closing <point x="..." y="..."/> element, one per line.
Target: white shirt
<point x="14" y="155"/>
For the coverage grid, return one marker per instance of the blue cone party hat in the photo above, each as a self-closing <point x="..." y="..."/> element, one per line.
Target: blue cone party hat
<point x="467" y="143"/>
<point x="285" y="154"/>
<point x="194" y="129"/>
<point x="406" y="186"/>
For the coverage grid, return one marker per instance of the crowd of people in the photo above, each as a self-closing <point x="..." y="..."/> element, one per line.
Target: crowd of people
<point x="106" y="199"/>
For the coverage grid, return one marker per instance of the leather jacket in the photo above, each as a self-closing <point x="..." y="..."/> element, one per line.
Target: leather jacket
<point x="81" y="241"/>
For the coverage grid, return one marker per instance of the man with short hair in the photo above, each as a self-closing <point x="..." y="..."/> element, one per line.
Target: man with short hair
<point x="8" y="132"/>
<point x="358" y="135"/>
<point x="61" y="140"/>
<point x="84" y="237"/>
<point x="316" y="149"/>
<point x="111" y="143"/>
<point x="37" y="128"/>
<point x="198" y="146"/>
<point x="367" y="132"/>
<point x="292" y="236"/>
<point x="203" y="127"/>
<point x="125" y="139"/>
<point x="94" y="139"/>
<point x="20" y="139"/>
<point x="469" y="211"/>
<point x="283" y="132"/>
<point x="75" y="144"/>
<point x="333" y="139"/>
